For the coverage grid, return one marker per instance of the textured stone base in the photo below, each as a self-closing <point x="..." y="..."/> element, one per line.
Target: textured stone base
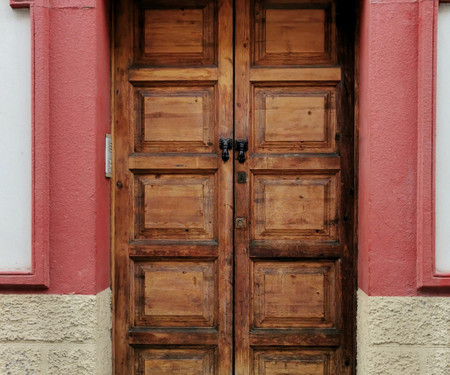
<point x="55" y="334"/>
<point x="71" y="334"/>
<point x="403" y="335"/>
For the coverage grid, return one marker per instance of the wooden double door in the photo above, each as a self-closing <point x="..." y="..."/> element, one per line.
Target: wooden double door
<point x="240" y="266"/>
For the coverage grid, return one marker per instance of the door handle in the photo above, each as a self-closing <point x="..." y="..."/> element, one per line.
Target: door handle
<point x="225" y="144"/>
<point x="241" y="147"/>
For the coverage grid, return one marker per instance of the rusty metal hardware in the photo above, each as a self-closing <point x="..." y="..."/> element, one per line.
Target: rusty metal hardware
<point x="240" y="223"/>
<point x="241" y="147"/>
<point x="225" y="144"/>
<point x="241" y="177"/>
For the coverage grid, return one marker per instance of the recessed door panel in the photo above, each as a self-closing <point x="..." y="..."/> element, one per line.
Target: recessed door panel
<point x="297" y="32"/>
<point x="175" y="294"/>
<point x="175" y="33"/>
<point x="176" y="119"/>
<point x="175" y="206"/>
<point x="183" y="361"/>
<point x="276" y="362"/>
<point x="293" y="294"/>
<point x="294" y="207"/>
<point x="294" y="119"/>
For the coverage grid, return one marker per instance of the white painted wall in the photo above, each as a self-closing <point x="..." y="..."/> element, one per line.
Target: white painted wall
<point x="15" y="139"/>
<point x="443" y="141"/>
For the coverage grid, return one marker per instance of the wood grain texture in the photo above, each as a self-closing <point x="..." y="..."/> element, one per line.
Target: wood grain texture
<point x="175" y="361"/>
<point x="287" y="207"/>
<point x="293" y="294"/>
<point x="175" y="119"/>
<point x="163" y="75"/>
<point x="263" y="162"/>
<point x="328" y="74"/>
<point x="173" y="162"/>
<point x="168" y="338"/>
<point x="242" y="357"/>
<point x="175" y="33"/>
<point x="225" y="179"/>
<point x="293" y="33"/>
<point x="175" y="294"/>
<point x="294" y="119"/>
<point x="121" y="198"/>
<point x="173" y="69"/>
<point x="276" y="297"/>
<point x="294" y="104"/>
<point x="277" y="362"/>
<point x="175" y="207"/>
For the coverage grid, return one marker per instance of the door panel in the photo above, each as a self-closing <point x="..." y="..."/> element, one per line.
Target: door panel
<point x="292" y="32"/>
<point x="293" y="119"/>
<point x="176" y="119"/>
<point x="192" y="361"/>
<point x="175" y="294"/>
<point x="176" y="206"/>
<point x="233" y="267"/>
<point x="173" y="194"/>
<point x="176" y="32"/>
<point x="289" y="294"/>
<point x="293" y="270"/>
<point x="281" y="362"/>
<point x="300" y="206"/>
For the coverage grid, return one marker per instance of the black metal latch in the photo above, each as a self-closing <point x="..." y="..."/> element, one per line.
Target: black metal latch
<point x="225" y="144"/>
<point x="241" y="177"/>
<point x="241" y="147"/>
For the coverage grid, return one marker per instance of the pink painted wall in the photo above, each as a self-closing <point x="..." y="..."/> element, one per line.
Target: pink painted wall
<point x="79" y="117"/>
<point x="389" y="148"/>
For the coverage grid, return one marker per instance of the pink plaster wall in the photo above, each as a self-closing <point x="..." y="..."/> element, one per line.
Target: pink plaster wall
<point x="79" y="112"/>
<point x="79" y="119"/>
<point x="78" y="62"/>
<point x="388" y="148"/>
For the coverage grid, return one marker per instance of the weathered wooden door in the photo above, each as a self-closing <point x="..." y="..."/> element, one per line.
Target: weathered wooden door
<point x="240" y="266"/>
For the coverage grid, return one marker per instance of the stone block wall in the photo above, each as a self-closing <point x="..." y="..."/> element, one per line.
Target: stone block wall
<point x="403" y="335"/>
<point x="55" y="334"/>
